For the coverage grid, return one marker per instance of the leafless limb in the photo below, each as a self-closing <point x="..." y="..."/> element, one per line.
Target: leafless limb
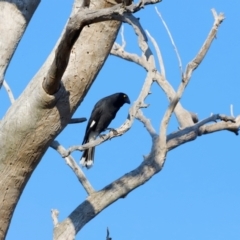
<point x="77" y="120"/>
<point x="172" y="41"/>
<point x="108" y="237"/>
<point x="205" y="47"/>
<point x="135" y="178"/>
<point x="54" y="214"/>
<point x="142" y="38"/>
<point x="187" y="75"/>
<point x="138" y="104"/>
<point x="83" y="17"/>
<point x="191" y="133"/>
<point x="122" y="37"/>
<point x="73" y="165"/>
<point x="147" y="123"/>
<point x="154" y="161"/>
<point x="117" y="51"/>
<point x="183" y="116"/>
<point x="159" y="55"/>
<point x="9" y="91"/>
<point x="147" y="61"/>
<point x="191" y="66"/>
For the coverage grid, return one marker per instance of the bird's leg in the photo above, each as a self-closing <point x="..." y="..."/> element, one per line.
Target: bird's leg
<point x="102" y="135"/>
<point x="115" y="132"/>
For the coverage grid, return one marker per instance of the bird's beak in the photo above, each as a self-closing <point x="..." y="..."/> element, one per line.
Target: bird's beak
<point x="127" y="100"/>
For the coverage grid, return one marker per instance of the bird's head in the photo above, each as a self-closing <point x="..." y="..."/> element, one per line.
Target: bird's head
<point x="124" y="98"/>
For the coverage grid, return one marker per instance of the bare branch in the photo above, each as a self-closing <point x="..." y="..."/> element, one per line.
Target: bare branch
<point x="122" y="37"/>
<point x="142" y="38"/>
<point x="73" y="165"/>
<point x="135" y="178"/>
<point x="108" y="237"/>
<point x="9" y="91"/>
<point x="147" y="123"/>
<point x="77" y="120"/>
<point x="183" y="116"/>
<point x="76" y="23"/>
<point x="159" y="55"/>
<point x="117" y="51"/>
<point x="191" y="133"/>
<point x="54" y="214"/>
<point x="138" y="104"/>
<point x="13" y="28"/>
<point x="206" y="45"/>
<point x="187" y="75"/>
<point x="172" y="41"/>
<point x="219" y="127"/>
<point x="165" y="121"/>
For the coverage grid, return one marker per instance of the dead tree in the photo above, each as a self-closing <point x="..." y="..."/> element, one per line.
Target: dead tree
<point x="58" y="89"/>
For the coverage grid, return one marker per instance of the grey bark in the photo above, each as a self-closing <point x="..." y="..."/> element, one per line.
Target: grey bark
<point x="47" y="105"/>
<point x="36" y="118"/>
<point x="152" y="164"/>
<point x="15" y="16"/>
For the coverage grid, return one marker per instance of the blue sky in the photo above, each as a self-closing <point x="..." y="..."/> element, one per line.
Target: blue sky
<point x="196" y="195"/>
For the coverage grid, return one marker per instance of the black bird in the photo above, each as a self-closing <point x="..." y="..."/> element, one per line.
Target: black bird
<point x="102" y="114"/>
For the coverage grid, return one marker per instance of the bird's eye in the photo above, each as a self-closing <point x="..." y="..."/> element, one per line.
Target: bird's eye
<point x="124" y="95"/>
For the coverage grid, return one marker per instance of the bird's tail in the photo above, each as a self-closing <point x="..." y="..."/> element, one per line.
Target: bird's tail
<point x="88" y="157"/>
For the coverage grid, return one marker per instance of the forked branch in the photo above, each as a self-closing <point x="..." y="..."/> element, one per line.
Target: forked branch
<point x="75" y="168"/>
<point x="94" y="204"/>
<point x="83" y="17"/>
<point x="218" y="19"/>
<point x="153" y="163"/>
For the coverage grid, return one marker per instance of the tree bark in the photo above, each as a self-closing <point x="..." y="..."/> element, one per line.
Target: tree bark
<point x="15" y="16"/>
<point x="36" y="118"/>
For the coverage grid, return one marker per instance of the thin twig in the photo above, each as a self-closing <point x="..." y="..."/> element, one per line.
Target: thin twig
<point x="108" y="237"/>
<point x="142" y="38"/>
<point x="54" y="214"/>
<point x="205" y="47"/>
<point x="159" y="55"/>
<point x="187" y="75"/>
<point x="172" y="41"/>
<point x="122" y="37"/>
<point x="77" y="21"/>
<point x="138" y="104"/>
<point x="132" y="57"/>
<point x="77" y="120"/>
<point x="147" y="62"/>
<point x="9" y="91"/>
<point x="147" y="123"/>
<point x="73" y="165"/>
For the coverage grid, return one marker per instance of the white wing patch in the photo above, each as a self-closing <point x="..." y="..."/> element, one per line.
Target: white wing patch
<point x="92" y="123"/>
<point x="82" y="162"/>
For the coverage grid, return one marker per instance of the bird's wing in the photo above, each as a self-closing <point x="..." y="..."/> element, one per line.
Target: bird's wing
<point x="93" y="120"/>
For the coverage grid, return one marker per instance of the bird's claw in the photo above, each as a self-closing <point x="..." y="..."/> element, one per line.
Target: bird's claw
<point x="115" y="132"/>
<point x="102" y="135"/>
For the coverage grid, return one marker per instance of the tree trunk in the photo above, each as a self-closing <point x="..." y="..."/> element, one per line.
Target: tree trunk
<point x="15" y="16"/>
<point x="36" y="118"/>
